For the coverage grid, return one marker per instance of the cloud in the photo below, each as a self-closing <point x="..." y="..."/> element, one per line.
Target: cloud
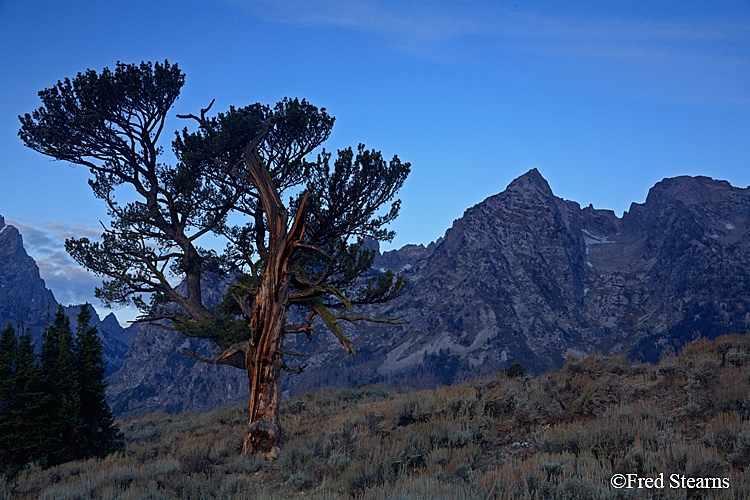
<point x="48" y="237"/>
<point x="69" y="282"/>
<point x="440" y="22"/>
<point x="35" y="238"/>
<point x="63" y="231"/>
<point x="413" y="20"/>
<point x="680" y="54"/>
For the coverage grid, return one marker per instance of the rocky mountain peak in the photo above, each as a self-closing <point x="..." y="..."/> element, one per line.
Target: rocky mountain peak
<point x="529" y="184"/>
<point x="24" y="299"/>
<point x="690" y="190"/>
<point x="526" y="276"/>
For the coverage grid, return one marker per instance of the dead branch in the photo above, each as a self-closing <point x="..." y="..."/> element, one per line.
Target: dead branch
<point x="297" y="370"/>
<point x="290" y="353"/>
<point x="234" y="356"/>
<point x="354" y="319"/>
<point x="202" y="120"/>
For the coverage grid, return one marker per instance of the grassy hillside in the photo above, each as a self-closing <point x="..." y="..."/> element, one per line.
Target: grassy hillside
<point x="558" y="436"/>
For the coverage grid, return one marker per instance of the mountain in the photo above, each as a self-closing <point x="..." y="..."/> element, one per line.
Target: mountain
<point x="115" y="338"/>
<point x="523" y="276"/>
<point x="528" y="277"/>
<point x="156" y="377"/>
<point x="25" y="301"/>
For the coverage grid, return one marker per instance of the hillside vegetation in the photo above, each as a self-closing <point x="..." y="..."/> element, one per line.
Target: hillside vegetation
<point x="561" y="435"/>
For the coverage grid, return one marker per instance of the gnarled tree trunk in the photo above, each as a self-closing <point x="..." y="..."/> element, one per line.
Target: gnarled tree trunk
<point x="263" y="360"/>
<point x="263" y="364"/>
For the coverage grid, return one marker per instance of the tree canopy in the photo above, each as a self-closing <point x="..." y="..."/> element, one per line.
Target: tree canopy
<point x="230" y="179"/>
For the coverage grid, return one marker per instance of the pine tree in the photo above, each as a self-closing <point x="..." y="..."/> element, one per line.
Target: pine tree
<point x="52" y="406"/>
<point x="8" y="347"/>
<point x="231" y="179"/>
<point x="60" y="403"/>
<point x="50" y="350"/>
<point x="22" y="434"/>
<point x="98" y="434"/>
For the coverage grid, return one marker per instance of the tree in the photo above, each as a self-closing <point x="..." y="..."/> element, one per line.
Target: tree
<point x="60" y="415"/>
<point x="8" y="346"/>
<point x="97" y="433"/>
<point x="20" y="432"/>
<point x="306" y="254"/>
<point x="53" y="409"/>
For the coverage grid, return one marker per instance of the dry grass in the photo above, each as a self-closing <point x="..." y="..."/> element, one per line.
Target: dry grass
<point x="558" y="436"/>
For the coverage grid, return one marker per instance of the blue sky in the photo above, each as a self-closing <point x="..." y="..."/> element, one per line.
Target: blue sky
<point x="604" y="98"/>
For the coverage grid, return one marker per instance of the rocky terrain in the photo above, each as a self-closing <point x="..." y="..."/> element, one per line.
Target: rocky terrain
<point x="25" y="301"/>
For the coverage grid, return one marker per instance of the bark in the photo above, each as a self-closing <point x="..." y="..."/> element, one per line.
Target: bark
<point x="263" y="364"/>
<point x="263" y="359"/>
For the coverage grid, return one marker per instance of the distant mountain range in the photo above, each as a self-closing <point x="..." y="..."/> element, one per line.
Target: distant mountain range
<point x="528" y="277"/>
<point x="523" y="276"/>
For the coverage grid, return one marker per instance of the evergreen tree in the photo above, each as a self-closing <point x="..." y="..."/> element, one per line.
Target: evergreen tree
<point x="8" y="344"/>
<point x="230" y="180"/>
<point x="98" y="434"/>
<point x="50" y="350"/>
<point x="22" y="435"/>
<point x="61" y="403"/>
<point x="52" y="406"/>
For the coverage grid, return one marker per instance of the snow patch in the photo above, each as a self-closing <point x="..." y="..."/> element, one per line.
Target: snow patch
<point x="590" y="239"/>
<point x="406" y="267"/>
<point x="729" y="225"/>
<point x="575" y="353"/>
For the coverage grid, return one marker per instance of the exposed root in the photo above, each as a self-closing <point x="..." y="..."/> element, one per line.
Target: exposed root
<point x="262" y="437"/>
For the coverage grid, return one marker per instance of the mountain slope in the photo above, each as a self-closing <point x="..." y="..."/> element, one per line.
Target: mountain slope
<point x="566" y="434"/>
<point x="25" y="301"/>
<point x="528" y="277"/>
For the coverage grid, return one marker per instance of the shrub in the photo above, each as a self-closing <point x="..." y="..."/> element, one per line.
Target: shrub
<point x="302" y="480"/>
<point x="737" y="359"/>
<point x="416" y="407"/>
<point x="578" y="488"/>
<point x="740" y="457"/>
<point x="194" y="458"/>
<point x="515" y="370"/>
